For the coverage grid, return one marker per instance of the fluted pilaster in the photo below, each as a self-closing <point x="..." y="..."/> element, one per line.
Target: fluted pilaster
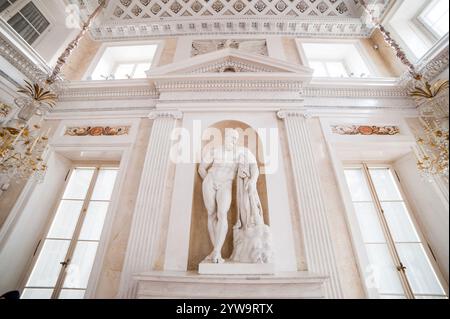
<point x="145" y="228"/>
<point x="313" y="215"/>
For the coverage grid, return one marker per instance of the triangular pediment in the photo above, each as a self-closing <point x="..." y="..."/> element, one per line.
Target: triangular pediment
<point x="228" y="61"/>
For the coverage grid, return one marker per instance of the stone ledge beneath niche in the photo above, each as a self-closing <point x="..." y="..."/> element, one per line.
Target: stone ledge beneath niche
<point x="191" y="285"/>
<point x="229" y="268"/>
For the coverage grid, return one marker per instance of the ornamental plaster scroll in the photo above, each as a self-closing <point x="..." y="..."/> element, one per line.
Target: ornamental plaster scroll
<point x="366" y="130"/>
<point x="80" y="131"/>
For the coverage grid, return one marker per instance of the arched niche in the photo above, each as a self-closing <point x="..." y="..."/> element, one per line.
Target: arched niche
<point x="199" y="243"/>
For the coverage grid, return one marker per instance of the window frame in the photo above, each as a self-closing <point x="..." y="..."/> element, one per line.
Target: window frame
<point x="40" y="243"/>
<point x="135" y="66"/>
<point x="101" y="51"/>
<point x="365" y="166"/>
<point x="423" y="25"/>
<point x="15" y="8"/>
<point x="362" y="51"/>
<point x="325" y="65"/>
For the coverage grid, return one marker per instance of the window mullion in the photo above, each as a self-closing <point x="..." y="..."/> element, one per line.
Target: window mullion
<point x="75" y="236"/>
<point x="389" y="239"/>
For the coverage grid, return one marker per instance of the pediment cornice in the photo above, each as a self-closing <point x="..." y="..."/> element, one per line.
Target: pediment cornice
<point x="229" y="69"/>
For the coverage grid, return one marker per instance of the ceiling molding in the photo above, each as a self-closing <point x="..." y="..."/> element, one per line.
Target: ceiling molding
<point x="137" y="19"/>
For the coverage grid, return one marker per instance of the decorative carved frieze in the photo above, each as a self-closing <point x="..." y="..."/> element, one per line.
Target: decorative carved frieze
<point x="230" y="65"/>
<point x="365" y="130"/>
<point x="226" y="85"/>
<point x="200" y="47"/>
<point x="105" y="92"/>
<point x="19" y="60"/>
<point x="97" y="131"/>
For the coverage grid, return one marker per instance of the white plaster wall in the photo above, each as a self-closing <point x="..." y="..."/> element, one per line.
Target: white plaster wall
<point x="17" y="249"/>
<point x="430" y="210"/>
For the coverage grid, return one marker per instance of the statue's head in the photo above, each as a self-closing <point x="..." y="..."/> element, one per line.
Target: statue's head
<point x="231" y="137"/>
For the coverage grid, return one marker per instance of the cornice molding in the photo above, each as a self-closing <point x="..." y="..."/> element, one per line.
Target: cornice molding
<point x="20" y="55"/>
<point x="101" y="93"/>
<point x="89" y="91"/>
<point x="312" y="27"/>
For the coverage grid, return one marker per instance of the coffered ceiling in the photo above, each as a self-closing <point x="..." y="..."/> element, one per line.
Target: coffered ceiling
<point x="147" y="18"/>
<point x="148" y="9"/>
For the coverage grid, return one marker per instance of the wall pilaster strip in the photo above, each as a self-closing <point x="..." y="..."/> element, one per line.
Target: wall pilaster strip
<point x="313" y="214"/>
<point x="145" y="228"/>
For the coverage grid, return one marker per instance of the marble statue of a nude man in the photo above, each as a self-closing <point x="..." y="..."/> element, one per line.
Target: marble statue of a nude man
<point x="218" y="170"/>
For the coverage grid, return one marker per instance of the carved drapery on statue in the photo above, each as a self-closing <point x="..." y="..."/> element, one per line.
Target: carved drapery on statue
<point x="252" y="239"/>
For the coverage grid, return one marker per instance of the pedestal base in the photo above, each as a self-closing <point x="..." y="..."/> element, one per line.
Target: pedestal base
<point x="230" y="268"/>
<point x="157" y="285"/>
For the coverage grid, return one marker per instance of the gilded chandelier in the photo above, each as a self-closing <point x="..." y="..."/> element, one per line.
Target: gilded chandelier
<point x="22" y="143"/>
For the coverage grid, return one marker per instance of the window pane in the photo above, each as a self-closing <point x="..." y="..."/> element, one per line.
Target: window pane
<point x="399" y="221"/>
<point x="336" y="69"/>
<point x="71" y="294"/>
<point x="385" y="273"/>
<point x="23" y="28"/>
<point x="420" y="273"/>
<point x="357" y="185"/>
<point x="35" y="17"/>
<point x="80" y="266"/>
<point x="66" y="219"/>
<point x="139" y="73"/>
<point x="441" y="26"/>
<point x="104" y="184"/>
<point x="93" y="223"/>
<point x="31" y="293"/>
<point x="78" y="184"/>
<point x="124" y="71"/>
<point x="319" y="69"/>
<point x="47" y="268"/>
<point x="384" y="184"/>
<point x="369" y="223"/>
<point x="4" y="4"/>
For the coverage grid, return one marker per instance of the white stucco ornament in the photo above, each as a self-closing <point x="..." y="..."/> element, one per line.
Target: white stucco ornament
<point x="221" y="166"/>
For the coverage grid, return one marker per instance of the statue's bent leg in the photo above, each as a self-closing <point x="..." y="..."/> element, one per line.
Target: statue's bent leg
<point x="223" y="197"/>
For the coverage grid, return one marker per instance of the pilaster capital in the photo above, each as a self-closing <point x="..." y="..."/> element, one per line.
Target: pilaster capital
<point x="284" y="114"/>
<point x="173" y="114"/>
